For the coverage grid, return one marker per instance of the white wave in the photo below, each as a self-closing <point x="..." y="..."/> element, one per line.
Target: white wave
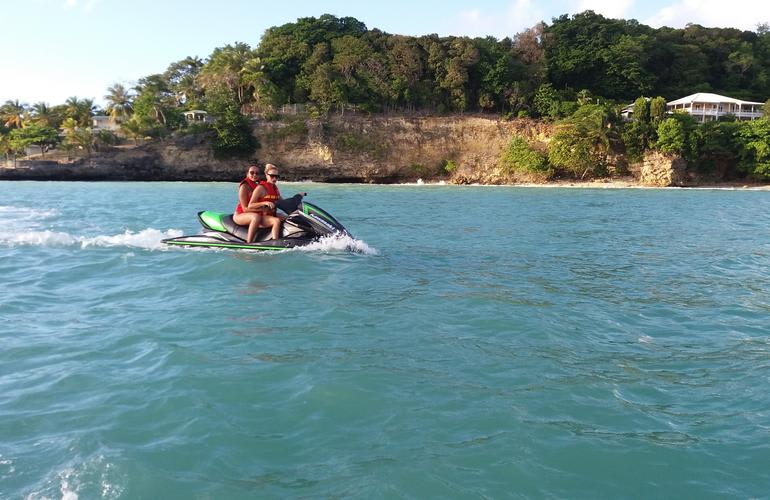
<point x="338" y="243"/>
<point x="645" y="339"/>
<point x="146" y="238"/>
<point x="76" y="479"/>
<point x="10" y="215"/>
<point x="36" y="238"/>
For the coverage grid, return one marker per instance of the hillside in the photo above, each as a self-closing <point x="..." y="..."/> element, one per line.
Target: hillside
<point x="351" y="148"/>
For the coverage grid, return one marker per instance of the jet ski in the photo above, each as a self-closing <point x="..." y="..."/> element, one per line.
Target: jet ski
<point x="304" y="224"/>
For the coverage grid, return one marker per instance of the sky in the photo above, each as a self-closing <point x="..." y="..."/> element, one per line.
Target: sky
<point x="55" y="49"/>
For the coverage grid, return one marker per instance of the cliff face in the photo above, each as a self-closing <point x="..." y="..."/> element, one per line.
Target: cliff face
<point x="398" y="149"/>
<point x="663" y="170"/>
<point x="351" y="148"/>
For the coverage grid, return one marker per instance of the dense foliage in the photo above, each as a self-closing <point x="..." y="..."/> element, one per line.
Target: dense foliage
<point x="519" y="156"/>
<point x="576" y="71"/>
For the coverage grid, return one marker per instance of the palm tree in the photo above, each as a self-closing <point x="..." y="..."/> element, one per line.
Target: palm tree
<point x="181" y="77"/>
<point x="80" y="110"/>
<point x="69" y="126"/>
<point x="225" y="68"/>
<point x="12" y="114"/>
<point x="5" y="145"/>
<point x="133" y="129"/>
<point x="43" y="114"/>
<point x="119" y="105"/>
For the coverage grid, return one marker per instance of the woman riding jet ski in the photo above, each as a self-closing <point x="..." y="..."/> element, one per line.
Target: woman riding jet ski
<point x="304" y="224"/>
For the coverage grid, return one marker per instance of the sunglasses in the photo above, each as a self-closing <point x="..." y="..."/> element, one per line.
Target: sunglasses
<point x="276" y="176"/>
<point x="253" y="173"/>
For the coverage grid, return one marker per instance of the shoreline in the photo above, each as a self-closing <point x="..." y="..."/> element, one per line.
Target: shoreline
<point x="560" y="184"/>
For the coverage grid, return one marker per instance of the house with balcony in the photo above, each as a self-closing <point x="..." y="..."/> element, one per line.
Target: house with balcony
<point x="101" y="122"/>
<point x="197" y="116"/>
<point x="706" y="107"/>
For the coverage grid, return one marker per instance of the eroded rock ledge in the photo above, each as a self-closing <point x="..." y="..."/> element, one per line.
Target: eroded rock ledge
<point x="352" y="148"/>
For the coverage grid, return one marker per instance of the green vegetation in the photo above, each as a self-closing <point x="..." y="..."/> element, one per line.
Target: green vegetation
<point x="583" y="141"/>
<point x="448" y="167"/>
<point x="754" y="148"/>
<point x="577" y="71"/>
<point x="520" y="156"/>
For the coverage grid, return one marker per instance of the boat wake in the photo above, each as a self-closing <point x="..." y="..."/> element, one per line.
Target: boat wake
<point x="337" y="243"/>
<point x="148" y="239"/>
<point x="25" y="227"/>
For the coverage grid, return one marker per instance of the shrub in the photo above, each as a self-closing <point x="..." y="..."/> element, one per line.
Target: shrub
<point x="448" y="166"/>
<point x="519" y="156"/>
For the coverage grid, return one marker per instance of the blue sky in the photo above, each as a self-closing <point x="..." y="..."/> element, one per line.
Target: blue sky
<point x="55" y="49"/>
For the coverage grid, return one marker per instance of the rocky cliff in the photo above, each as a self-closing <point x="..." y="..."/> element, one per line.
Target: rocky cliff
<point x="663" y="170"/>
<point x="350" y="148"/>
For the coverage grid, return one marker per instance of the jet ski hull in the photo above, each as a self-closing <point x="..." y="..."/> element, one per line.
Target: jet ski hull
<point x="215" y="242"/>
<point x="305" y="224"/>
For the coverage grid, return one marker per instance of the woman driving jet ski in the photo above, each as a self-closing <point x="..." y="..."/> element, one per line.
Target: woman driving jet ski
<point x="265" y="200"/>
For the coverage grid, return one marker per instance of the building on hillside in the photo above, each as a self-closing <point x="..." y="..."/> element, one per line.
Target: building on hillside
<point x="705" y="107"/>
<point x="196" y="116"/>
<point x="627" y="113"/>
<point x="100" y="122"/>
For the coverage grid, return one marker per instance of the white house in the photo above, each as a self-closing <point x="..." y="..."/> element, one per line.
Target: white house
<point x="705" y="107"/>
<point x="197" y="116"/>
<point x="100" y="122"/>
<point x="627" y="113"/>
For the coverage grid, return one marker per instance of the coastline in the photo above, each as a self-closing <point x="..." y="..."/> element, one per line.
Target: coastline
<point x="34" y="175"/>
<point x="385" y="150"/>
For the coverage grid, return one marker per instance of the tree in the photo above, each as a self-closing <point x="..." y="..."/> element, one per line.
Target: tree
<point x="34" y="134"/>
<point x="754" y="141"/>
<point x="155" y="106"/>
<point x="264" y="92"/>
<point x="134" y="129"/>
<point x="234" y="137"/>
<point x="638" y="134"/>
<point x="672" y="138"/>
<point x="408" y="72"/>
<point x="80" y="110"/>
<point x="224" y="68"/>
<point x="182" y="78"/>
<point x="547" y="101"/>
<point x="42" y="114"/>
<point x="606" y="56"/>
<point x="12" y="114"/>
<point x="119" y="105"/>
<point x="582" y="141"/>
<point x="657" y="110"/>
<point x="676" y="136"/>
<point x="519" y="156"/>
<point x="5" y="143"/>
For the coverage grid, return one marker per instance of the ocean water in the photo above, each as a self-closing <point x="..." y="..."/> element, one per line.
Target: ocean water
<point x="469" y="342"/>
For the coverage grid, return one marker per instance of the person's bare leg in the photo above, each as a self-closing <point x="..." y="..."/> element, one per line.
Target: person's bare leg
<point x="274" y="223"/>
<point x="252" y="219"/>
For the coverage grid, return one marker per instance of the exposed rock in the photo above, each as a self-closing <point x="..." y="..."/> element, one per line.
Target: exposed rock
<point x="663" y="170"/>
<point x="350" y="148"/>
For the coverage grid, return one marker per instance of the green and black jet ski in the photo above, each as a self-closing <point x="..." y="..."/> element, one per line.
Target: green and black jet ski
<point x="305" y="224"/>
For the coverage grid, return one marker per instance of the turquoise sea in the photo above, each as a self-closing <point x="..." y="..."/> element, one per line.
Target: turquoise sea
<point x="469" y="342"/>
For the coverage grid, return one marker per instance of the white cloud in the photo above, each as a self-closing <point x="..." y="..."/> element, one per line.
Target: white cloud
<point x="518" y="16"/>
<point x="615" y="9"/>
<point x="741" y="14"/>
<point x="88" y="5"/>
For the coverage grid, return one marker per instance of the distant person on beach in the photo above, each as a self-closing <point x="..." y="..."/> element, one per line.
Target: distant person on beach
<point x="265" y="199"/>
<point x="247" y="216"/>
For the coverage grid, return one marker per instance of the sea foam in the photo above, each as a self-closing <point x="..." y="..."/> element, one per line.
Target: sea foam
<point x="149" y="239"/>
<point x="338" y="243"/>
